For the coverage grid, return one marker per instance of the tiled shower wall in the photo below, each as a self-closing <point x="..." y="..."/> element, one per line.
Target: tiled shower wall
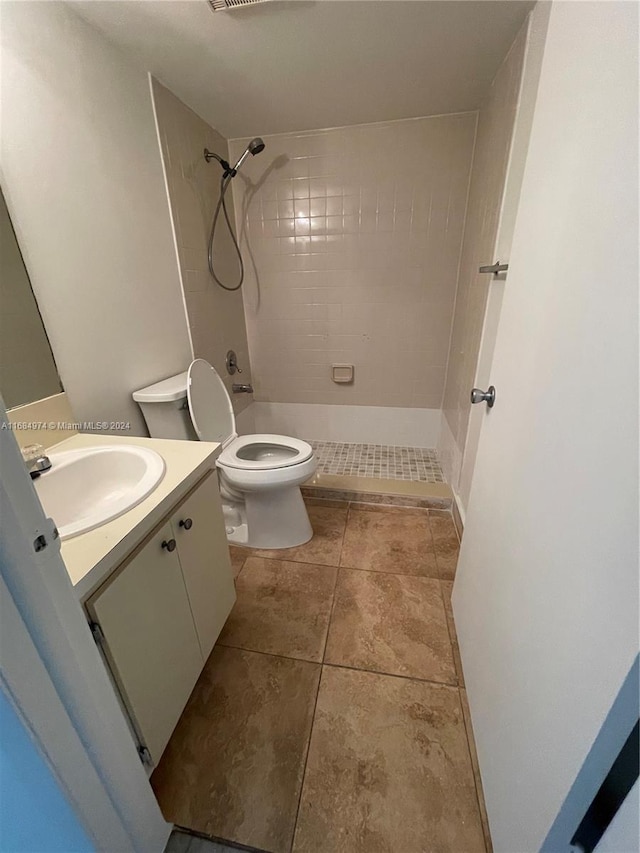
<point x="216" y="317"/>
<point x="352" y="237"/>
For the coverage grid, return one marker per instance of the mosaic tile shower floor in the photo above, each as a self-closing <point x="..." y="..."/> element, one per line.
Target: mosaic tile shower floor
<point x="383" y="461"/>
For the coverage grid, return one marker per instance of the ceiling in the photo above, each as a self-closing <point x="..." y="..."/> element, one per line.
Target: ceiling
<point x="306" y="64"/>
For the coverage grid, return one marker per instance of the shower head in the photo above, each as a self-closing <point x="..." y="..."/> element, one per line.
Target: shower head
<point x="254" y="147"/>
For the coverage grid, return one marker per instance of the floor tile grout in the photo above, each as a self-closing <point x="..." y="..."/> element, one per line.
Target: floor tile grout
<point x="281" y="559"/>
<point x="333" y="602"/>
<point x="322" y="663"/>
<point x="393" y="574"/>
<point x="315" y="704"/>
<point x="477" y="787"/>
<point x="392" y="675"/>
<point x="193" y="834"/>
<point x="452" y="640"/>
<point x="351" y="568"/>
<point x="270" y="654"/>
<point x="306" y="759"/>
<point x="405" y="464"/>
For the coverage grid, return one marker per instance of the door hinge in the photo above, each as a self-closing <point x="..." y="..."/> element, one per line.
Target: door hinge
<point x="96" y="632"/>
<point x="145" y="756"/>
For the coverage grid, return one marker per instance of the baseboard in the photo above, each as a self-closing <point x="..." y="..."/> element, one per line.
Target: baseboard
<point x="458" y="512"/>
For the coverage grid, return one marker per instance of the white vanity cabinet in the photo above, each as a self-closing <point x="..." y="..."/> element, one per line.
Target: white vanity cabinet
<point x="159" y="614"/>
<point x="198" y="528"/>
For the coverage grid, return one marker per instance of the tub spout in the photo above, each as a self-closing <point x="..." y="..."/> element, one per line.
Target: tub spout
<point x="240" y="388"/>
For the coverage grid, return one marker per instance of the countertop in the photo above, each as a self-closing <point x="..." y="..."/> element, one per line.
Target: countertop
<point x="91" y="556"/>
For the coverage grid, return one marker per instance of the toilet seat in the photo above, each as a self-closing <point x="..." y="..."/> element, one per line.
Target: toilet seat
<point x="264" y="451"/>
<point x="213" y="419"/>
<point x="209" y="404"/>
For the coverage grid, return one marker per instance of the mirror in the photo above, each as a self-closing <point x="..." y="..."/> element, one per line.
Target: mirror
<point x="27" y="368"/>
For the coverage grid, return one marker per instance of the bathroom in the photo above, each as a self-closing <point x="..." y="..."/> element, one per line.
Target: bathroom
<point x="332" y="679"/>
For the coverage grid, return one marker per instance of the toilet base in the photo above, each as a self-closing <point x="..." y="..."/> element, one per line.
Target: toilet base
<point x="238" y="535"/>
<point x="271" y="519"/>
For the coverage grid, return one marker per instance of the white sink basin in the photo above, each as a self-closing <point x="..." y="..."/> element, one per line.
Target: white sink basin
<point x="87" y="488"/>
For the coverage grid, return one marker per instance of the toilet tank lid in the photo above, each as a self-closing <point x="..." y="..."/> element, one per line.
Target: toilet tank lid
<point x="173" y="388"/>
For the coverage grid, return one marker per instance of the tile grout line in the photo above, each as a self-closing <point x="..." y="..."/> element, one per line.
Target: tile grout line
<point x="196" y="835"/>
<point x="393" y="574"/>
<point x="461" y="687"/>
<point x="335" y="586"/>
<point x="244" y="563"/>
<point x="315" y="493"/>
<point x="333" y="603"/>
<point x="315" y="704"/>
<point x="435" y="550"/>
<point x="402" y="463"/>
<point x="304" y="766"/>
<point x="321" y="663"/>
<point x="269" y="654"/>
<point x="393" y="675"/>
<point x="476" y="786"/>
<point x="331" y="566"/>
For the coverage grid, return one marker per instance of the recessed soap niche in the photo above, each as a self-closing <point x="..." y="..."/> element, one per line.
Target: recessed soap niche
<point x="342" y="374"/>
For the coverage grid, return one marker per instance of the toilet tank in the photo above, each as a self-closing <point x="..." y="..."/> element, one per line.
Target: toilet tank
<point x="165" y="408"/>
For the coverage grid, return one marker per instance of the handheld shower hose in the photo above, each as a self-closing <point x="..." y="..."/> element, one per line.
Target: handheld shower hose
<point x="254" y="147"/>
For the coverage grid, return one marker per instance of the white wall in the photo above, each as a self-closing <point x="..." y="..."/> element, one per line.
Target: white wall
<point x="82" y="176"/>
<point x="216" y="316"/>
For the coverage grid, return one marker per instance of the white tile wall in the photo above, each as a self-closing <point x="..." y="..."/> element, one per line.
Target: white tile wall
<point x="410" y="427"/>
<point x="216" y="317"/>
<point x="353" y="237"/>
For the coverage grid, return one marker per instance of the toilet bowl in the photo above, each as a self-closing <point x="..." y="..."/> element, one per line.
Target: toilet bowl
<point x="259" y="475"/>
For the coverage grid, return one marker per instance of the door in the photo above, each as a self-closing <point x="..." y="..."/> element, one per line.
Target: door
<point x="198" y="528"/>
<point x="150" y="637"/>
<point x="546" y="595"/>
<point x="530" y="77"/>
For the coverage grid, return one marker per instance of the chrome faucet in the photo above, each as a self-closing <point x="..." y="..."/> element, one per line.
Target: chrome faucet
<point x="37" y="466"/>
<point x="239" y="388"/>
<point x="35" y="460"/>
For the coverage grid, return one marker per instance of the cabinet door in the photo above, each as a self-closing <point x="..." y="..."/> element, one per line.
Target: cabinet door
<point x="150" y="639"/>
<point x="198" y="527"/>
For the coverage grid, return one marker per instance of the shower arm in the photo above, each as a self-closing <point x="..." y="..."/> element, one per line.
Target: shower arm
<point x="211" y="155"/>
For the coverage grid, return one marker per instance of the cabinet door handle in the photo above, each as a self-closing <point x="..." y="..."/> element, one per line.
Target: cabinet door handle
<point x="169" y="545"/>
<point x="187" y="523"/>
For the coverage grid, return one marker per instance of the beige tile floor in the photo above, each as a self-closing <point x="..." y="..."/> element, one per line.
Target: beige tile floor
<point x="332" y="716"/>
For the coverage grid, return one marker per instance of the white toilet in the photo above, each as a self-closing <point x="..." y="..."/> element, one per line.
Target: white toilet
<point x="260" y="475"/>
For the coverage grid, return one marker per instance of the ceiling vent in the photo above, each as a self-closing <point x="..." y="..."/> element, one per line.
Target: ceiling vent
<point x="226" y="5"/>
